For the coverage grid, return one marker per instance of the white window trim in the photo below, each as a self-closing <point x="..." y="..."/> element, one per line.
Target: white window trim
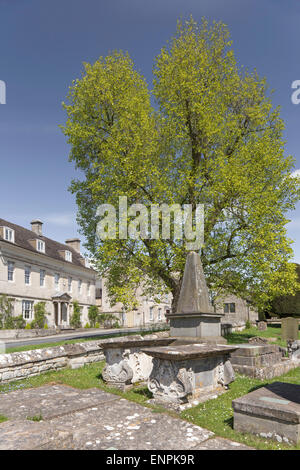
<point x="30" y="302"/>
<point x="43" y="246"/>
<point x="56" y="281"/>
<point x="29" y="275"/>
<point x="68" y="256"/>
<point x="10" y="230"/>
<point x="44" y="277"/>
<point x="11" y="263"/>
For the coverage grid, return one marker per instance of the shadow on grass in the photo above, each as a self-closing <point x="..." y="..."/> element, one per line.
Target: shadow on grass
<point x="229" y="422"/>
<point x="144" y="392"/>
<point x="238" y="338"/>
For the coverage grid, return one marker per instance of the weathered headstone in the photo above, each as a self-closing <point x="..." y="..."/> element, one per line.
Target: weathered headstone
<point x="262" y="325"/>
<point x="289" y="328"/>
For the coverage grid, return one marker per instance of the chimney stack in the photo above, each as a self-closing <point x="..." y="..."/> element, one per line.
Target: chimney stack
<point x="36" y="226"/>
<point x="74" y="243"/>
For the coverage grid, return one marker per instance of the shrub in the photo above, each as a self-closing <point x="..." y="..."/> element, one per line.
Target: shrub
<point x="93" y="314"/>
<point x="75" y="320"/>
<point x="97" y="325"/>
<point x="45" y="326"/>
<point x="6" y="312"/>
<point x="39" y="315"/>
<point x="108" y="320"/>
<point x="87" y="325"/>
<point x="28" y="326"/>
<point x="248" y="325"/>
<point x="19" y="322"/>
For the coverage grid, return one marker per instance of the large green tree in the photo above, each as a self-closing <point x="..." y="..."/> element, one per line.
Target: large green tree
<point x="206" y="134"/>
<point x="286" y="305"/>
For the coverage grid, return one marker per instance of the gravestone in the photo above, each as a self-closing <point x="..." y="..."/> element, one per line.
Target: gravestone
<point x="289" y="329"/>
<point x="271" y="412"/>
<point x="262" y="325"/>
<point x="195" y="318"/>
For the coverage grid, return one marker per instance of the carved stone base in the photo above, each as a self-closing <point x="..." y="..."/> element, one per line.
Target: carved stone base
<point x="182" y="374"/>
<point x="126" y="364"/>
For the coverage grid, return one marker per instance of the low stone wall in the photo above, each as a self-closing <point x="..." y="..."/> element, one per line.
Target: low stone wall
<point x="20" y="365"/>
<point x="22" y="333"/>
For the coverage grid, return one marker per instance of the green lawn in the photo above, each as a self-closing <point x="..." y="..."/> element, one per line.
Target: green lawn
<point x="216" y="414"/>
<point x="243" y="336"/>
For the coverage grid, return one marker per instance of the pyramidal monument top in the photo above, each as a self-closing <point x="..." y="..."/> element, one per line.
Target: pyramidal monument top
<point x="194" y="296"/>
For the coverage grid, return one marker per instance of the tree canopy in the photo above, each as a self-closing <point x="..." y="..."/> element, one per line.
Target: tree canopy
<point x="207" y="133"/>
<point x="287" y="305"/>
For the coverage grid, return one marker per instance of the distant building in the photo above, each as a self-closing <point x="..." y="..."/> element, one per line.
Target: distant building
<point x="236" y="310"/>
<point x="147" y="313"/>
<point x="34" y="268"/>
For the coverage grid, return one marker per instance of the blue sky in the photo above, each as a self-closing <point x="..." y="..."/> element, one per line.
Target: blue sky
<point x="42" y="47"/>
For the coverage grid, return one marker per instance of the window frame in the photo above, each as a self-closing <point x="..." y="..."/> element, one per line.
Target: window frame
<point x="10" y="271"/>
<point x="43" y="246"/>
<point x="29" y="309"/>
<point x="8" y="238"/>
<point x="27" y="275"/>
<point x="56" y="281"/>
<point x="42" y="278"/>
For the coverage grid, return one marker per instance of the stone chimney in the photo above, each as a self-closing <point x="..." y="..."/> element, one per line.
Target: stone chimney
<point x="36" y="226"/>
<point x="74" y="243"/>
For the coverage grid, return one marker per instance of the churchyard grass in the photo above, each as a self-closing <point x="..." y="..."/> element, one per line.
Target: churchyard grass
<point x="215" y="415"/>
<point x="273" y="331"/>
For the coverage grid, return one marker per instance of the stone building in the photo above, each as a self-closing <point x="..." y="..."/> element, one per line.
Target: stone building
<point x="34" y="268"/>
<point x="148" y="312"/>
<point x="236" y="310"/>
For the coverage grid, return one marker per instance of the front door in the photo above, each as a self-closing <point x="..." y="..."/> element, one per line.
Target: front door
<point x="64" y="313"/>
<point x="56" y="313"/>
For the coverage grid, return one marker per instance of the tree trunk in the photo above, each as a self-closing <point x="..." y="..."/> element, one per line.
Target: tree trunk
<point x="175" y="293"/>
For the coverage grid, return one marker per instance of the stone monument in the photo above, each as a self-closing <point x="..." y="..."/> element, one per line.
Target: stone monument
<point x="272" y="411"/>
<point x="195" y="318"/>
<point x="289" y="329"/>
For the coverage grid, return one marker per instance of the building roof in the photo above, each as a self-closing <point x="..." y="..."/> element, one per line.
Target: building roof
<point x="52" y="248"/>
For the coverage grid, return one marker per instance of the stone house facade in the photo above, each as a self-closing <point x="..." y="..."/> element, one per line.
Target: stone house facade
<point x="149" y="312"/>
<point x="34" y="268"/>
<point x="236" y="310"/>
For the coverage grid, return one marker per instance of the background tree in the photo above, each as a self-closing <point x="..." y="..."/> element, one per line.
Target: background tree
<point x="287" y="305"/>
<point x="212" y="137"/>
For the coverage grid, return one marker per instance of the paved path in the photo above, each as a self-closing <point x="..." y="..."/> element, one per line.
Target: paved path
<point x="13" y="343"/>
<point x="94" y="419"/>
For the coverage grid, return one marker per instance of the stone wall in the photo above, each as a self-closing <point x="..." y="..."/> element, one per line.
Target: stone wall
<point x="20" y="365"/>
<point x="22" y="333"/>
